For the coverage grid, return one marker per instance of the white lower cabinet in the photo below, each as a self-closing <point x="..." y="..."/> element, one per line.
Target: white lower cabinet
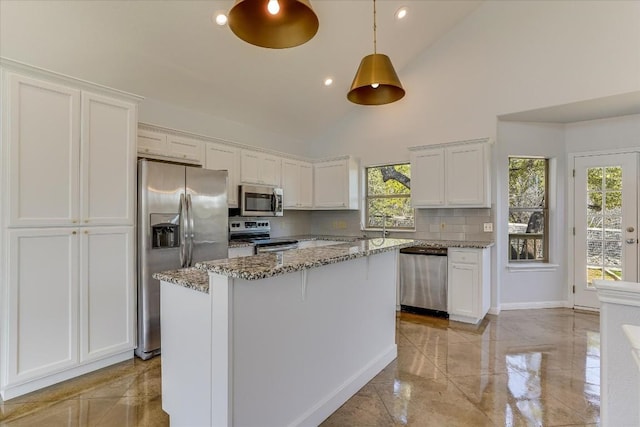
<point x="70" y="302"/>
<point x="107" y="294"/>
<point x="469" y="285"/>
<point x="41" y="311"/>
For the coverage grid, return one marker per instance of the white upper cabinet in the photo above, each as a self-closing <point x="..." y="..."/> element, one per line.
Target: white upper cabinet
<point x="156" y="144"/>
<point x="467" y="175"/>
<point x="43" y="152"/>
<point x="225" y="157"/>
<point x="335" y="184"/>
<point x="297" y="184"/>
<point x="451" y="175"/>
<point x="259" y="168"/>
<point x="186" y="149"/>
<point x="150" y="142"/>
<point x="107" y="184"/>
<point x="427" y="177"/>
<point x="49" y="183"/>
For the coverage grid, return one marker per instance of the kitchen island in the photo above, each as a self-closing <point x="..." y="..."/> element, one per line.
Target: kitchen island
<point x="277" y="339"/>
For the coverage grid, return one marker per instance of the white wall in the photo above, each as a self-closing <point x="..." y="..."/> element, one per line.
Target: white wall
<point x="597" y="135"/>
<point x="508" y="56"/>
<point x="532" y="288"/>
<point x="159" y="113"/>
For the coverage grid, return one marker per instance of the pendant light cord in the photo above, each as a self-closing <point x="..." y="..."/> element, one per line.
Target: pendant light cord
<point x="374" y="27"/>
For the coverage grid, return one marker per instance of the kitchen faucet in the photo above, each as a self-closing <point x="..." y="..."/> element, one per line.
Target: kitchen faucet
<point x="384" y="217"/>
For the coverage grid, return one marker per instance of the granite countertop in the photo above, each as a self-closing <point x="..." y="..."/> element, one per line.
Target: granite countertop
<point x="192" y="278"/>
<point x="454" y="244"/>
<point x="265" y="265"/>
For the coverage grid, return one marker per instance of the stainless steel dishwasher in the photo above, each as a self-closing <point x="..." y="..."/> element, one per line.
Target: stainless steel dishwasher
<point x="423" y="280"/>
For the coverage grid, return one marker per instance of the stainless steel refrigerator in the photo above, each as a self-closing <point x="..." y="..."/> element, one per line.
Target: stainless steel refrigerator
<point x="182" y="219"/>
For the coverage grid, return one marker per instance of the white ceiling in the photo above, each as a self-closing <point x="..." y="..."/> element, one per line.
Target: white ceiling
<point x="173" y="52"/>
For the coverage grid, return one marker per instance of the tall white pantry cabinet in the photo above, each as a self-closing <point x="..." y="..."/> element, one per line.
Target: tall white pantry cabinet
<point x="67" y="283"/>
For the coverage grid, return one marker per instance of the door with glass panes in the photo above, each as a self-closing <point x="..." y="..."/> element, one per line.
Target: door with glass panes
<point x="606" y="222"/>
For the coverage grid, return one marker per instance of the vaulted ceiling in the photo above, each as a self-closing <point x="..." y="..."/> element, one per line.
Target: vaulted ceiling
<point x="173" y="52"/>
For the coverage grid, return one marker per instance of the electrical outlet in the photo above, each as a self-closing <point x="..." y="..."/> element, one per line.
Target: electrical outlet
<point x="488" y="227"/>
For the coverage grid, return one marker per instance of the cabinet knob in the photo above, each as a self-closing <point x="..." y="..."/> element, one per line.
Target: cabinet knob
<point x="184" y="156"/>
<point x="86" y="232"/>
<point x="86" y="221"/>
<point x="74" y="232"/>
<point x="146" y="150"/>
<point x="75" y="221"/>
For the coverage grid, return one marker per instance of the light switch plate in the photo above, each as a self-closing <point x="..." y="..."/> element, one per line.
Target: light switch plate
<point x="488" y="227"/>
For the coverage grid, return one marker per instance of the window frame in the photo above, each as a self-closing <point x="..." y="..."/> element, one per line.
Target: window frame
<point x="545" y="235"/>
<point x="365" y="222"/>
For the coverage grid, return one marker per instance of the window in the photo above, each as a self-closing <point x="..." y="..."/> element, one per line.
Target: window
<point x="389" y="197"/>
<point x="528" y="211"/>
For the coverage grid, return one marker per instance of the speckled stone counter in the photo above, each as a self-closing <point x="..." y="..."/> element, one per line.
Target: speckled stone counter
<point x="308" y="237"/>
<point x="453" y="244"/>
<point x="273" y="264"/>
<point x="192" y="278"/>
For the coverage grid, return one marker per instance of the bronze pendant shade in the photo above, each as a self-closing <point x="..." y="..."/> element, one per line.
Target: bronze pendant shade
<point x="375" y="70"/>
<point x="294" y="24"/>
<point x="376" y="82"/>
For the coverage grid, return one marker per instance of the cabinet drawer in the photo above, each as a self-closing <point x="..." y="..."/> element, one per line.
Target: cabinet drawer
<point x="464" y="256"/>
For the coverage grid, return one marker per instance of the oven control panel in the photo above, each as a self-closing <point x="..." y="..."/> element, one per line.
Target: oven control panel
<point x="261" y="226"/>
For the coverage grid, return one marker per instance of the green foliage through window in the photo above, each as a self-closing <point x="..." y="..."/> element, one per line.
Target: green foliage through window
<point x="389" y="197"/>
<point x="528" y="213"/>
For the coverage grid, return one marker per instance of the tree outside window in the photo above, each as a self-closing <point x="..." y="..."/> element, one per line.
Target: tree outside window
<point x="389" y="197"/>
<point x="528" y="210"/>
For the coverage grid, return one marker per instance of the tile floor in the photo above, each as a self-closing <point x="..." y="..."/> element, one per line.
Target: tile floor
<point x="522" y="368"/>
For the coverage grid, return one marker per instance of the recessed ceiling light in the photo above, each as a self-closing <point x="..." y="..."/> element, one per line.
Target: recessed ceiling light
<point x="328" y="81"/>
<point x="401" y="13"/>
<point x="221" y="19"/>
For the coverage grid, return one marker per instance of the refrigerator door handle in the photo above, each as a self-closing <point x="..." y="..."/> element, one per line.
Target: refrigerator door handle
<point x="184" y="225"/>
<point x="191" y="231"/>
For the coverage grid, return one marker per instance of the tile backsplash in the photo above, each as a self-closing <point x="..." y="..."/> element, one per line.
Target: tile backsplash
<point x="431" y="224"/>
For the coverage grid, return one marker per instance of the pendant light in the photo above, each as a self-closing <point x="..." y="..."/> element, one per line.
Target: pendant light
<point x="376" y="82"/>
<point x="275" y="24"/>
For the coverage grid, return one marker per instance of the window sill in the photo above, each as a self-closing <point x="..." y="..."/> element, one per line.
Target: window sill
<point x="529" y="267"/>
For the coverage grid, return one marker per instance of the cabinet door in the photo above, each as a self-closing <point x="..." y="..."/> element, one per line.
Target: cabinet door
<point x="466" y="175"/>
<point x="152" y="142"/>
<point x="330" y="184"/>
<point x="291" y="183"/>
<point x="185" y="149"/>
<point x="463" y="283"/>
<point x="427" y="178"/>
<point x="225" y="157"/>
<point x="305" y="193"/>
<point x="270" y="170"/>
<point x="42" y="302"/>
<point x="107" y="185"/>
<point x="43" y="152"/>
<point x="249" y="167"/>
<point x="107" y="292"/>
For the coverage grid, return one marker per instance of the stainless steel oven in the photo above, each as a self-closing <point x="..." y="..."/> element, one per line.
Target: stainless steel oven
<point x="260" y="200"/>
<point x="258" y="232"/>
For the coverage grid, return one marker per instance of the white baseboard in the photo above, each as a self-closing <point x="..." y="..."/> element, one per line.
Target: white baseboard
<point x="495" y="310"/>
<point x="13" y="391"/>
<point x="327" y="406"/>
<point x="530" y="305"/>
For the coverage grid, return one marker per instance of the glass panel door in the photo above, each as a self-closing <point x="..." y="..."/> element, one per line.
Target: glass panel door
<point x="606" y="220"/>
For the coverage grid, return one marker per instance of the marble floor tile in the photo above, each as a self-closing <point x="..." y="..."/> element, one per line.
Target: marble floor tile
<point x="521" y="368"/>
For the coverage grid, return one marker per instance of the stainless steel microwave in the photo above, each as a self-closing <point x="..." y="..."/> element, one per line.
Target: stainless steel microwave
<point x="260" y="200"/>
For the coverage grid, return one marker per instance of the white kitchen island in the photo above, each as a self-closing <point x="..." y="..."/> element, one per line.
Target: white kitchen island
<point x="279" y="339"/>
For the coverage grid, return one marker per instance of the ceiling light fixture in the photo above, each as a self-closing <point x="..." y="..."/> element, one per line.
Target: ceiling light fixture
<point x="376" y="81"/>
<point x="401" y="13"/>
<point x="275" y="24"/>
<point x="328" y="81"/>
<point x="221" y="19"/>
